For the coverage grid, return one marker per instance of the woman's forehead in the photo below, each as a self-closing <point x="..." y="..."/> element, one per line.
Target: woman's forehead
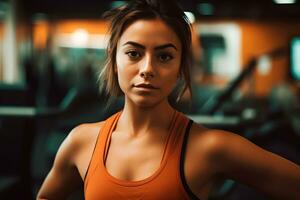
<point x="149" y="31"/>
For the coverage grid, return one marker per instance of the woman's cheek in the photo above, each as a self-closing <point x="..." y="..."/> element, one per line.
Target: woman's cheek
<point x="125" y="77"/>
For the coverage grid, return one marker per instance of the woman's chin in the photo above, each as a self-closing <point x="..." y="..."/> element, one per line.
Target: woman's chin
<point x="146" y="102"/>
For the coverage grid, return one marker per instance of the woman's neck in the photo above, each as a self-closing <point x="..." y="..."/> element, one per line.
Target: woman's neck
<point x="143" y="120"/>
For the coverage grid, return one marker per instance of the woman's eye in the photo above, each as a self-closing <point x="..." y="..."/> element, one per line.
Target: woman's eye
<point x="165" y="57"/>
<point x="133" y="54"/>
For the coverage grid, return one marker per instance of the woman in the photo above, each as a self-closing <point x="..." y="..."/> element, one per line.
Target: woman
<point x="149" y="150"/>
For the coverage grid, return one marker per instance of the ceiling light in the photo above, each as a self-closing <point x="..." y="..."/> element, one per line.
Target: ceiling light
<point x="80" y="37"/>
<point x="190" y="16"/>
<point x="284" y="1"/>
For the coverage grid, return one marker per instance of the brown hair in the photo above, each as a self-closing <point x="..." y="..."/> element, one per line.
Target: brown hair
<point x="166" y="10"/>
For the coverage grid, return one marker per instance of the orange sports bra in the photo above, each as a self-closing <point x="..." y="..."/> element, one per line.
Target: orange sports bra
<point x="168" y="182"/>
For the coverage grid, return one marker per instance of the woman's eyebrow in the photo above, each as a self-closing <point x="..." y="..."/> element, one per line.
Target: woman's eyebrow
<point x="168" y="45"/>
<point x="134" y="44"/>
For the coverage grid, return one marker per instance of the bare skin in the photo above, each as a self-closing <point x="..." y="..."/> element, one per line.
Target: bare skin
<point x="244" y="162"/>
<point x="144" y="124"/>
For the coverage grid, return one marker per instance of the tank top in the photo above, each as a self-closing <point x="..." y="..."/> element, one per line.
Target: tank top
<point x="166" y="183"/>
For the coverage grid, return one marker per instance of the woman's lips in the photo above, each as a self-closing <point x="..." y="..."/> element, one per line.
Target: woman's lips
<point x="146" y="86"/>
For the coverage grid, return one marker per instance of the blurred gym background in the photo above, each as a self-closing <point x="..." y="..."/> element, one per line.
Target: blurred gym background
<point x="246" y="79"/>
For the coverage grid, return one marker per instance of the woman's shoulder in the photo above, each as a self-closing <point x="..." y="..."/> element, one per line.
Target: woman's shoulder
<point x="80" y="140"/>
<point x="214" y="142"/>
<point x="224" y="149"/>
<point x="209" y="135"/>
<point x="85" y="133"/>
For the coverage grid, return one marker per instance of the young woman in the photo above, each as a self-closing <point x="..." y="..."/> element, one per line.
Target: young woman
<point x="149" y="150"/>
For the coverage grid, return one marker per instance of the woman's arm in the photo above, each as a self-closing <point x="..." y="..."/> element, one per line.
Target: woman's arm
<point x="239" y="159"/>
<point x="63" y="178"/>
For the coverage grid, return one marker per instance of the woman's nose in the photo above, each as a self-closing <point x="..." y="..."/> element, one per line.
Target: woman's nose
<point x="147" y="69"/>
<point x="146" y="75"/>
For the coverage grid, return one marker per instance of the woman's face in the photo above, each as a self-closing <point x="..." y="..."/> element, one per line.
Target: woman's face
<point x="148" y="59"/>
